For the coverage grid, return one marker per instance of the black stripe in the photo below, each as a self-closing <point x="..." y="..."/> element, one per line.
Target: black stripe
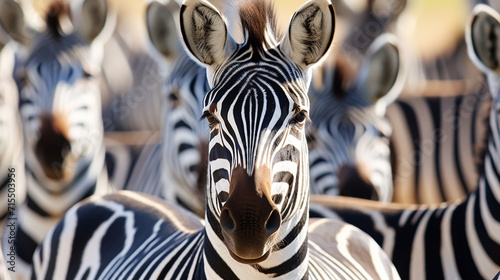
<point x="435" y="108"/>
<point x="292" y="263"/>
<point x="411" y="120"/>
<point x="90" y="217"/>
<point x="432" y="258"/>
<point x="463" y="256"/>
<point x="56" y="236"/>
<point x="456" y="142"/>
<point x="290" y="237"/>
<point x="217" y="263"/>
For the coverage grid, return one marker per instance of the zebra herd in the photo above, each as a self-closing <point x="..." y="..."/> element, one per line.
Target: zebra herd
<point x="265" y="172"/>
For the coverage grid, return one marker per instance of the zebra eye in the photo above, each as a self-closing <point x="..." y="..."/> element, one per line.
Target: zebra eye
<point x="300" y="117"/>
<point x="212" y="120"/>
<point x="87" y="74"/>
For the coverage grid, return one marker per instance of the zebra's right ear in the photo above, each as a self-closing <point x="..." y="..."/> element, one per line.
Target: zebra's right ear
<point x="162" y="30"/>
<point x="310" y="33"/>
<point x="94" y="20"/>
<point x="380" y="78"/>
<point x="204" y="32"/>
<point x="483" y="38"/>
<point x="12" y="22"/>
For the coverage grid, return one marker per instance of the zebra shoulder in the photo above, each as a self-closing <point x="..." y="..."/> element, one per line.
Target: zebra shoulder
<point x="336" y="241"/>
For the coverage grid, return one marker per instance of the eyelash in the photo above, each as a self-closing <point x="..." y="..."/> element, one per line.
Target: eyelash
<point x="212" y="120"/>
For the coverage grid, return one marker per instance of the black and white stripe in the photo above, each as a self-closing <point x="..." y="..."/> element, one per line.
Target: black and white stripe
<point x="438" y="148"/>
<point x="258" y="178"/>
<point x="456" y="240"/>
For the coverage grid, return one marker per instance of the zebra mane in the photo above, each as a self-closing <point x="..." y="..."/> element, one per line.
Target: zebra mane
<point x="256" y="16"/>
<point x="57" y="10"/>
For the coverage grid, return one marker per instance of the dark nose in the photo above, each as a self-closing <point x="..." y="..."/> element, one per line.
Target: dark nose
<point x="266" y="222"/>
<point x="52" y="147"/>
<point x="249" y="217"/>
<point x="354" y="182"/>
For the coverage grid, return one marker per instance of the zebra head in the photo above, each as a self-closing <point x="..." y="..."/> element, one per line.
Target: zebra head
<point x="349" y="146"/>
<point x="60" y="94"/>
<point x="258" y="189"/>
<point x="184" y="135"/>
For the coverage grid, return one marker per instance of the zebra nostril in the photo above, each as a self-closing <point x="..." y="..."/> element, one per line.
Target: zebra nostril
<point x="277" y="198"/>
<point x="273" y="223"/>
<point x="227" y="221"/>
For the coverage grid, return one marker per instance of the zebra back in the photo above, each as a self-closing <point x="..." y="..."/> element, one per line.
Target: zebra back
<point x="452" y="240"/>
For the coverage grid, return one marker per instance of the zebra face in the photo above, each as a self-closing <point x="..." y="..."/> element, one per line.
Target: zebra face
<point x="257" y="108"/>
<point x="59" y="89"/>
<point x="349" y="146"/>
<point x="256" y="154"/>
<point x="349" y="143"/>
<point x="60" y="107"/>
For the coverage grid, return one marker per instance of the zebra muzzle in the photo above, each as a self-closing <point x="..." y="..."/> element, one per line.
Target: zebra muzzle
<point x="250" y="221"/>
<point x="53" y="147"/>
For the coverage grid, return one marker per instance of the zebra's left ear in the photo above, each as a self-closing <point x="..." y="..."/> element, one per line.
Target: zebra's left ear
<point x="93" y="20"/>
<point x="204" y="32"/>
<point x="483" y="38"/>
<point x="12" y="22"/>
<point x="380" y="78"/>
<point x="310" y="33"/>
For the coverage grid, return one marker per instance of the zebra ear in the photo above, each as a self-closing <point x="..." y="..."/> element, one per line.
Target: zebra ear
<point x="310" y="33"/>
<point x="12" y="22"/>
<point x="380" y="78"/>
<point x="204" y="32"/>
<point x="93" y="20"/>
<point x="162" y="30"/>
<point x="483" y="38"/>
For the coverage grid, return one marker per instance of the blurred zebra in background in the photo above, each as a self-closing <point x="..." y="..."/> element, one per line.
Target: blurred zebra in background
<point x="12" y="186"/>
<point x="160" y="241"/>
<point x="454" y="240"/>
<point x="175" y="167"/>
<point x="349" y="142"/>
<point x="439" y="148"/>
<point x="61" y="119"/>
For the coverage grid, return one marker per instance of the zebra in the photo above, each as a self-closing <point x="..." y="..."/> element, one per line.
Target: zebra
<point x="156" y="240"/>
<point x="452" y="240"/>
<point x="439" y="148"/>
<point x="62" y="126"/>
<point x="349" y="141"/>
<point x="12" y="188"/>
<point x="174" y="168"/>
